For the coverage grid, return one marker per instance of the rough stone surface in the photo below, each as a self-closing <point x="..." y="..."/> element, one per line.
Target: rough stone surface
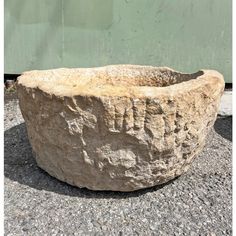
<point x="197" y="203"/>
<point x="118" y="128"/>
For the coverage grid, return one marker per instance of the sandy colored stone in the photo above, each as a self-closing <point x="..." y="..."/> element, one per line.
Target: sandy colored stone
<point x="120" y="128"/>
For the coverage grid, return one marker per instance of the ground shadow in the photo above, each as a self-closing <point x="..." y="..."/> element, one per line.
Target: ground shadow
<point x="20" y="166"/>
<point x="223" y="126"/>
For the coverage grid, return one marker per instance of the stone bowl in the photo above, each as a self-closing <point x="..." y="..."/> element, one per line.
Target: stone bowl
<point x="121" y="127"/>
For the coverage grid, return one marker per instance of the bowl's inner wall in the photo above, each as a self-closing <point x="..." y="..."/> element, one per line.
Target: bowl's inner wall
<point x="144" y="77"/>
<point x="96" y="78"/>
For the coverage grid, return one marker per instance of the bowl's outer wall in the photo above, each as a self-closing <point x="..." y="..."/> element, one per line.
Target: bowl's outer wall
<point x="118" y="143"/>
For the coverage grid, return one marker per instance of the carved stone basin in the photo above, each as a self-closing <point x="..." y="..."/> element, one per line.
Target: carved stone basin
<point x="121" y="127"/>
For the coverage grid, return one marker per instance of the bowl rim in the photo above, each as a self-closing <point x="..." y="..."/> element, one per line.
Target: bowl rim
<point x="206" y="78"/>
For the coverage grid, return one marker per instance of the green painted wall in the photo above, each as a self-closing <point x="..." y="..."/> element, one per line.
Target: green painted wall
<point x="186" y="35"/>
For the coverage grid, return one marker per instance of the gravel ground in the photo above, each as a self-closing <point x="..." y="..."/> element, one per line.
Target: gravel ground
<point x="197" y="203"/>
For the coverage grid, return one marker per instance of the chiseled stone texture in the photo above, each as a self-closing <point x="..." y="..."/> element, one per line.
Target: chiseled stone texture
<point x="120" y="127"/>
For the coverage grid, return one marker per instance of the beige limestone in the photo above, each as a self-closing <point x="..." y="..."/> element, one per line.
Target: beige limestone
<point x="122" y="127"/>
